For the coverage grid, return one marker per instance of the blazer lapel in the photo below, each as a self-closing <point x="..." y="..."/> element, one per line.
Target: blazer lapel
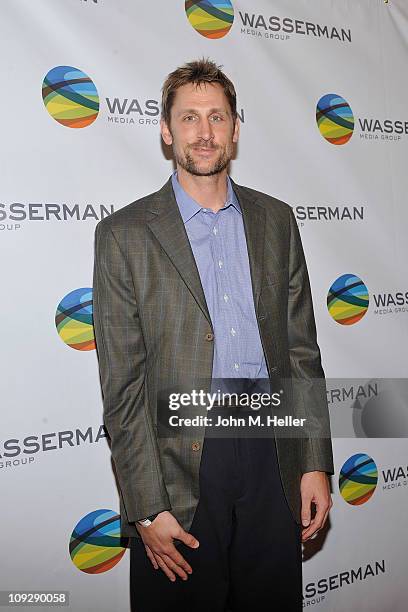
<point x="254" y="225"/>
<point x="168" y="227"/>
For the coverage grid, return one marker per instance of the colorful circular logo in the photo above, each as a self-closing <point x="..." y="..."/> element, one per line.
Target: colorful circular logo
<point x="335" y="119"/>
<point x="210" y="18"/>
<point x="358" y="479"/>
<point x="70" y="97"/>
<point x="348" y="299"/>
<point x="94" y="546"/>
<point x="74" y="320"/>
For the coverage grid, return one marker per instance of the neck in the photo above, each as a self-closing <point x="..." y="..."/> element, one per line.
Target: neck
<point x="209" y="191"/>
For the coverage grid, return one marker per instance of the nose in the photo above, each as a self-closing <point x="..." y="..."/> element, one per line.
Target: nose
<point x="205" y="131"/>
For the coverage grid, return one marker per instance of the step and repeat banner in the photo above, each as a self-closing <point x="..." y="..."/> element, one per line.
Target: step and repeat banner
<point x="322" y="91"/>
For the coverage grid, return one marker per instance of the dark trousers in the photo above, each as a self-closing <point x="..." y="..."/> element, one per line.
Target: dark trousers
<point x="249" y="558"/>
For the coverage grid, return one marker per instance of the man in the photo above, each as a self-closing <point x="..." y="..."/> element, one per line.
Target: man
<point x="207" y="279"/>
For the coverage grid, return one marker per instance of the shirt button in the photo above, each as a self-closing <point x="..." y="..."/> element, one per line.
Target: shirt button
<point x="195" y="446"/>
<point x="209" y="336"/>
<point x="215" y="231"/>
<point x="226" y="298"/>
<point x="236" y="366"/>
<point x="233" y="332"/>
<point x="220" y="263"/>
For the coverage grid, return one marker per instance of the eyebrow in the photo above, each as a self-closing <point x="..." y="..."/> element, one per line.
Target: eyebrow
<point x="194" y="110"/>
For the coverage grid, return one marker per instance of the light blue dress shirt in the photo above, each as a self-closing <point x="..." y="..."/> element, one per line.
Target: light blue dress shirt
<point x="219" y="246"/>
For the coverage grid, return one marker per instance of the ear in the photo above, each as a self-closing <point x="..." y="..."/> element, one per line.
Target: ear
<point x="165" y="132"/>
<point x="237" y="126"/>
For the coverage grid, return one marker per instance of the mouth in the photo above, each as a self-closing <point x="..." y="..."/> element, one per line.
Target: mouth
<point x="205" y="151"/>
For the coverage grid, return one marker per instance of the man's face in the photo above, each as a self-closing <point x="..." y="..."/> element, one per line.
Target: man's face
<point x="201" y="131"/>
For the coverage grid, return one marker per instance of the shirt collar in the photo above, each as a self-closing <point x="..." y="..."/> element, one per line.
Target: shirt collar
<point x="189" y="207"/>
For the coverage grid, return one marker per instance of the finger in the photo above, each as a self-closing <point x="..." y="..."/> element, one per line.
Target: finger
<point x="151" y="557"/>
<point x="173" y="566"/>
<point x="327" y="511"/>
<point x="326" y="514"/>
<point x="178" y="558"/>
<point x="309" y="533"/>
<point x="316" y="523"/>
<point x="306" y="511"/>
<point x="321" y="506"/>
<point x="311" y="529"/>
<point x="163" y="566"/>
<point x="188" y="539"/>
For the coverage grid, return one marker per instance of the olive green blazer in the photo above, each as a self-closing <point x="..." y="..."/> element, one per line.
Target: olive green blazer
<point x="152" y="323"/>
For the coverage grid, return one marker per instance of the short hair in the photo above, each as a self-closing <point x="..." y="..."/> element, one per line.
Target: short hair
<point x="196" y="72"/>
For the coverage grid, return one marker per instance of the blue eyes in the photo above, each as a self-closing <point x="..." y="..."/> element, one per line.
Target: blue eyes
<point x="213" y="118"/>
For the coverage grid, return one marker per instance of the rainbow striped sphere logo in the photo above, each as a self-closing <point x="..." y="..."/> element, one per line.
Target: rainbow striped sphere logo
<point x="94" y="546"/>
<point x="210" y="18"/>
<point x="74" y="320"/>
<point x="358" y="479"/>
<point x="70" y="97"/>
<point x="348" y="299"/>
<point x="335" y="119"/>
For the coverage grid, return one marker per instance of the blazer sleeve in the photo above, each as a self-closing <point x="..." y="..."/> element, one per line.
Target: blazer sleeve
<point x="122" y="362"/>
<point x="305" y="360"/>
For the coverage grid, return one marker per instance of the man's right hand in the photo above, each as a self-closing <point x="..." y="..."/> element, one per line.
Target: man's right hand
<point x="158" y="540"/>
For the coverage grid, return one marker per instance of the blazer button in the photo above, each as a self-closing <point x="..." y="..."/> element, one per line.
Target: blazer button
<point x="195" y="446"/>
<point x="209" y="336"/>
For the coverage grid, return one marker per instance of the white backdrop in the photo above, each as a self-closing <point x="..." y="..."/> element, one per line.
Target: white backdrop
<point x="56" y="479"/>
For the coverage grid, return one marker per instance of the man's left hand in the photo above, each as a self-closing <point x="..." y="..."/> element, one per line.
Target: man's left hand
<point x="314" y="488"/>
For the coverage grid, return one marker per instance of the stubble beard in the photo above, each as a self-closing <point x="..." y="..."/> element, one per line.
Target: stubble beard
<point x="188" y="164"/>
